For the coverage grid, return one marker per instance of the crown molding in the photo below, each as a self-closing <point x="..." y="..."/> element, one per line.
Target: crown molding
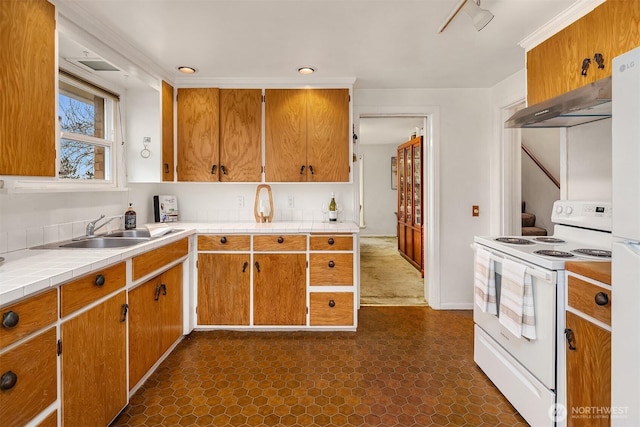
<point x="266" y="82"/>
<point x="561" y="21"/>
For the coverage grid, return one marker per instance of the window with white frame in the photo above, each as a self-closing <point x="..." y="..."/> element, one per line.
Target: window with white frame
<point x="88" y="128"/>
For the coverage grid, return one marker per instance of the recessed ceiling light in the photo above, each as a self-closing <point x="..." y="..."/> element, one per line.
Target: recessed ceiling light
<point x="306" y="70"/>
<point x="187" y="70"/>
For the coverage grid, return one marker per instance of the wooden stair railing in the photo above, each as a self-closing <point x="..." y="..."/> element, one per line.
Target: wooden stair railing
<point x="541" y="166"/>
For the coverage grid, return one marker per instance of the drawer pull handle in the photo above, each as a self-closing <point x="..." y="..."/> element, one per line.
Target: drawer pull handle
<point x="157" y="293"/>
<point x="8" y="381"/>
<point x="223" y="240"/>
<point x="280" y="239"/>
<point x="10" y="319"/>
<point x="163" y="286"/>
<point x="332" y="303"/>
<point x="125" y="310"/>
<point x="166" y="168"/>
<point x="244" y="266"/>
<point x="301" y="169"/>
<point x="602" y="298"/>
<point x="331" y="241"/>
<point x="257" y="264"/>
<point x="570" y="339"/>
<point x="100" y="280"/>
<point x="599" y="60"/>
<point x="213" y="169"/>
<point x="585" y="66"/>
<point x="332" y="264"/>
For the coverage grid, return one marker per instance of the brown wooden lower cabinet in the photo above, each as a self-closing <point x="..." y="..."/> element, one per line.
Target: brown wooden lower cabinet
<point x="331" y="308"/>
<point x="155" y="321"/>
<point x="588" y="373"/>
<point x="93" y="362"/>
<point x="279" y="289"/>
<point x="224" y="289"/>
<point x="32" y="367"/>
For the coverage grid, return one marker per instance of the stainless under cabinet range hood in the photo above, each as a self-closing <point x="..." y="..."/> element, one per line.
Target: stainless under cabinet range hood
<point x="583" y="105"/>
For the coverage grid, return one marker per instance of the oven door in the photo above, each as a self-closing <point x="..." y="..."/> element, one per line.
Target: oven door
<point x="536" y="356"/>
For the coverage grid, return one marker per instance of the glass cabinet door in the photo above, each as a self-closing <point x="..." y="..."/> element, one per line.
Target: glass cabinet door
<point x="417" y="184"/>
<point x="401" y="186"/>
<point x="408" y="185"/>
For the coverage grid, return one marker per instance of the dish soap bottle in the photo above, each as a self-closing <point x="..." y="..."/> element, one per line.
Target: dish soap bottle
<point x="130" y="218"/>
<point x="333" y="208"/>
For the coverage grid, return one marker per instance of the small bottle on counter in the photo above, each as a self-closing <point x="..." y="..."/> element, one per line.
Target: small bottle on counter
<point x="130" y="218"/>
<point x="333" y="208"/>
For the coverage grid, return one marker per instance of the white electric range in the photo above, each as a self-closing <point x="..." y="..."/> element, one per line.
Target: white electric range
<point x="530" y="373"/>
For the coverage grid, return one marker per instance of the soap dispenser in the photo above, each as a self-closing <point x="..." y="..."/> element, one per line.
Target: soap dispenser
<point x="130" y="218"/>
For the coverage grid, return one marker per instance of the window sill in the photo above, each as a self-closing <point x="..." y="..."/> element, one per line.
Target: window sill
<point x="38" y="187"/>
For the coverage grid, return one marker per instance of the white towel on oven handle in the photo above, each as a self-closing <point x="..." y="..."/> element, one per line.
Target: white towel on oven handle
<point x="485" y="282"/>
<point x="516" y="300"/>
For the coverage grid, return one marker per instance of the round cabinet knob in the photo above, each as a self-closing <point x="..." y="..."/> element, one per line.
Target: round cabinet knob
<point x="100" y="280"/>
<point x="602" y="298"/>
<point x="331" y="241"/>
<point x="223" y="240"/>
<point x="8" y="380"/>
<point x="332" y="303"/>
<point x="10" y="319"/>
<point x="332" y="264"/>
<point x="280" y="239"/>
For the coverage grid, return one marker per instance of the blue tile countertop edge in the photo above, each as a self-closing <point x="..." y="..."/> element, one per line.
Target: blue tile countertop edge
<point x="29" y="271"/>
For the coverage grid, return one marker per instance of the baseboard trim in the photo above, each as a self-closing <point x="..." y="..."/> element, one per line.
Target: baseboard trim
<point x="456" y="306"/>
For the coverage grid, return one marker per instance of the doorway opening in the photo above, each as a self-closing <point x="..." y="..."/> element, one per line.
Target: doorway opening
<point x="386" y="278"/>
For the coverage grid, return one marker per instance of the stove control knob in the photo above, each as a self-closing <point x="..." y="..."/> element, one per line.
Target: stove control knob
<point x="569" y="210"/>
<point x="558" y="209"/>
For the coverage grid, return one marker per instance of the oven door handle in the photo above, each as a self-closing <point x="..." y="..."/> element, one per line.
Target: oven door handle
<point x="547" y="277"/>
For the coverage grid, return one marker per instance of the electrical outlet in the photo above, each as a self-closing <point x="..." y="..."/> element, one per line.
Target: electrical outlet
<point x="240" y="202"/>
<point x="290" y="202"/>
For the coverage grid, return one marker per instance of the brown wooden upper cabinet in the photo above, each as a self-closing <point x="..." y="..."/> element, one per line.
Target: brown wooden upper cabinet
<point x="307" y="135"/>
<point x="27" y="37"/>
<point x="219" y="135"/>
<point x="168" y="165"/>
<point x="555" y="66"/>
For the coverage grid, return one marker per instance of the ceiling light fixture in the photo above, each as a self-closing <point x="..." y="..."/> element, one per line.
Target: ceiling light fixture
<point x="480" y="17"/>
<point x="186" y="70"/>
<point x="306" y="70"/>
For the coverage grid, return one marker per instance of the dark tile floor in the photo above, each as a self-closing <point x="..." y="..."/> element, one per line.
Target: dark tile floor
<point x="405" y="366"/>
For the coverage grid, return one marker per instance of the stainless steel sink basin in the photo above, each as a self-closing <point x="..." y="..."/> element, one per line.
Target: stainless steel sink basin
<point x="104" y="242"/>
<point x="129" y="233"/>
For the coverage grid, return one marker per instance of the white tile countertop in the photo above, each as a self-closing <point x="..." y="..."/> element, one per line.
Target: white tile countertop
<point x="26" y="272"/>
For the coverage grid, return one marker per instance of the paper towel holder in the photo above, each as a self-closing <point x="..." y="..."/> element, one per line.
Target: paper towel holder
<point x="258" y="207"/>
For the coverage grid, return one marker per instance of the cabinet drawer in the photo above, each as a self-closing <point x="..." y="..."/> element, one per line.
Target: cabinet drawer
<point x="231" y="242"/>
<point x="331" y="243"/>
<point x="328" y="269"/>
<point x="280" y="242"/>
<point x="76" y="294"/>
<point x="331" y="308"/>
<point x="33" y="366"/>
<point x="31" y="314"/>
<point x="582" y="297"/>
<point x="157" y="258"/>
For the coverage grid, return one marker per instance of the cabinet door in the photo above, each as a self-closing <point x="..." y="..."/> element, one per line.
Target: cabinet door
<point x="285" y="135"/>
<point x="143" y="329"/>
<point x="223" y="289"/>
<point x="168" y="165"/>
<point x="588" y="370"/>
<point x="198" y="134"/>
<point x="240" y="135"/>
<point x="279" y="289"/>
<point x="94" y="383"/>
<point x="170" y="308"/>
<point x="328" y="135"/>
<point x="27" y="129"/>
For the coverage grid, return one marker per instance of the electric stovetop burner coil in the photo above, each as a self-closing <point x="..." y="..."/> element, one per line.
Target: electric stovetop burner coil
<point x="600" y="253"/>
<point x="514" y="241"/>
<point x="555" y="254"/>
<point x="549" y="240"/>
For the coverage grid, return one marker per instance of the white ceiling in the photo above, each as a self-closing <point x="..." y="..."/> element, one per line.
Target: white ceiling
<point x="380" y="43"/>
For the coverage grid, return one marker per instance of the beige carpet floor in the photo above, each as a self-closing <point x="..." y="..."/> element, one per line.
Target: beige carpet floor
<point x="385" y="277"/>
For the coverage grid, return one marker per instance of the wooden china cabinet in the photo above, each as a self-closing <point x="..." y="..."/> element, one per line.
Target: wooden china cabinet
<point x="410" y="229"/>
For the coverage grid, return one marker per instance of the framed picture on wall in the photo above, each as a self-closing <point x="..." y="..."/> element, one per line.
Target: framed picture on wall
<point x="394" y="173"/>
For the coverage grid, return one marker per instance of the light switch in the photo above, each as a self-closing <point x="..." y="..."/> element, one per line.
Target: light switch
<point x="475" y="210"/>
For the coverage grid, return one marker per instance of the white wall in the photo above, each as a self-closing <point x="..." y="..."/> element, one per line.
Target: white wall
<point x="538" y="191"/>
<point x="589" y="162"/>
<point x="463" y="150"/>
<point x="143" y="120"/>
<point x="380" y="201"/>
